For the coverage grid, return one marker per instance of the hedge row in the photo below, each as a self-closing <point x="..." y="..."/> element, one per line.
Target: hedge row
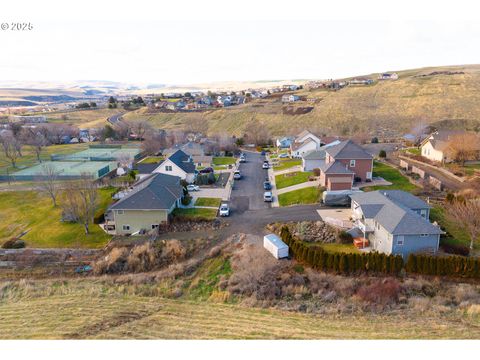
<point x="374" y="262"/>
<point x="455" y="266"/>
<point x="320" y="259"/>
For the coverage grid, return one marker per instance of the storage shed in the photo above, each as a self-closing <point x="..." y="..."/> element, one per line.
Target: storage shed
<point x="275" y="246"/>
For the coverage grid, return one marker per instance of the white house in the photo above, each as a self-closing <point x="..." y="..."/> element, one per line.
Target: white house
<point x="178" y="164"/>
<point x="304" y="135"/>
<point x="435" y="146"/>
<point x="297" y="150"/>
<point x="290" y="98"/>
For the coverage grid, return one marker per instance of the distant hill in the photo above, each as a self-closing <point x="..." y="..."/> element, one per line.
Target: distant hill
<point x="448" y="96"/>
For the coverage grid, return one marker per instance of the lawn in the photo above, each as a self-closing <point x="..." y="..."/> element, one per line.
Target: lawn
<point x="33" y="212"/>
<point x="414" y="151"/>
<point x="309" y="195"/>
<point x="456" y="234"/>
<point x="205" y="201"/>
<point x="391" y="174"/>
<point x="226" y="160"/>
<point x="339" y="248"/>
<point x="151" y="160"/>
<point x="286" y="180"/>
<point x="29" y="157"/>
<point x="196" y="213"/>
<point x="287" y="164"/>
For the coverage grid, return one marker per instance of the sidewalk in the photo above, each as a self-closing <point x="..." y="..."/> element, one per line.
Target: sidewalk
<point x="289" y="170"/>
<point x="299" y="186"/>
<point x="271" y="177"/>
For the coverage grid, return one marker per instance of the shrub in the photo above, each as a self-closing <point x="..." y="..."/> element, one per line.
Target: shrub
<point x="382" y="154"/>
<point x="13" y="243"/>
<point x="316" y="172"/>
<point x="375" y="140"/>
<point x="456" y="249"/>
<point x="344" y="237"/>
<point x="186" y="199"/>
<point x="380" y="292"/>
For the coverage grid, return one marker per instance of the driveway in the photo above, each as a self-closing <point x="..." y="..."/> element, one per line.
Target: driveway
<point x="247" y="193"/>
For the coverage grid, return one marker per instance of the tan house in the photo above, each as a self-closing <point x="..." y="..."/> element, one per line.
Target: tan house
<point x="145" y="207"/>
<point x="435" y="147"/>
<point x="345" y="163"/>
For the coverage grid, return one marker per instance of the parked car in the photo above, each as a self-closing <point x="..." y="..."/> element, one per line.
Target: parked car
<point x="207" y="170"/>
<point x="237" y="175"/>
<point x="267" y="196"/>
<point x="283" y="156"/>
<point x="243" y="158"/>
<point x="263" y="153"/>
<point x="265" y="165"/>
<point x="267" y="185"/>
<point x="224" y="210"/>
<point x="192" y="187"/>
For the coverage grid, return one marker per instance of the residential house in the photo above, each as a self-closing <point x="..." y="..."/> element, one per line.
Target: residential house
<point x="290" y="98"/>
<point x="305" y="134"/>
<point x="303" y="143"/>
<point x="435" y="146"/>
<point x="387" y="76"/>
<point x="178" y="164"/>
<point x="345" y="163"/>
<point x="315" y="159"/>
<point x="285" y="142"/>
<point x="202" y="160"/>
<point x="395" y="222"/>
<point x="146" y="206"/>
<point x="361" y="81"/>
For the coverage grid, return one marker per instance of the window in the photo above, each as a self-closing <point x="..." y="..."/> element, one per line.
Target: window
<point x="154" y="226"/>
<point x="423" y="235"/>
<point x="120" y="212"/>
<point x="352" y="163"/>
<point x="168" y="168"/>
<point x="400" y="242"/>
<point x="126" y="227"/>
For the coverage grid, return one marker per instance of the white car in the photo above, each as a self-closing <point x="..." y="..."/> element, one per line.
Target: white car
<point x="224" y="210"/>
<point x="267" y="196"/>
<point x="265" y="165"/>
<point x="237" y="175"/>
<point x="192" y="187"/>
<point x="283" y="156"/>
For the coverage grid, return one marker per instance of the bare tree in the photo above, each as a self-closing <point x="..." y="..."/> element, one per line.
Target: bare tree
<point x="464" y="147"/>
<point x="56" y="132"/>
<point x="140" y="128"/>
<point x="48" y="181"/>
<point x="36" y="139"/>
<point x="197" y="123"/>
<point x="11" y="146"/>
<point x="257" y="133"/>
<point x="154" y="143"/>
<point x="466" y="213"/>
<point x="123" y="130"/>
<point x="80" y="201"/>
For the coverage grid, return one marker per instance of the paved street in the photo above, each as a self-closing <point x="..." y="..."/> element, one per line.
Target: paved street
<point x="247" y="193"/>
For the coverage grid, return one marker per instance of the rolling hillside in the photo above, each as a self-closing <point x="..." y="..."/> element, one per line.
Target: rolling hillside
<point x="417" y="98"/>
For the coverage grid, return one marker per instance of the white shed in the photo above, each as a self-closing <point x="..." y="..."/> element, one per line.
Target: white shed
<point x="275" y="246"/>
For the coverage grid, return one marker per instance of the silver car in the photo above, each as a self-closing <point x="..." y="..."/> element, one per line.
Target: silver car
<point x="267" y="196"/>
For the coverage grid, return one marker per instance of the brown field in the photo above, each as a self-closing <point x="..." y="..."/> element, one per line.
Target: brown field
<point x="92" y="310"/>
<point x="386" y="107"/>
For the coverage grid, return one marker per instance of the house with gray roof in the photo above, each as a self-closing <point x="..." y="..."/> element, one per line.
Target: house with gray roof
<point x="315" y="159"/>
<point x="146" y="206"/>
<point x="395" y="222"/>
<point x="178" y="164"/>
<point x="345" y="163"/>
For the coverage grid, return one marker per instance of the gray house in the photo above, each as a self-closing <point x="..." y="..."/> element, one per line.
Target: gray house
<point x="395" y="222"/>
<point x="146" y="206"/>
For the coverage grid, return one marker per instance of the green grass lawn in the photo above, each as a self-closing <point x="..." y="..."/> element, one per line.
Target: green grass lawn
<point x="310" y="195"/>
<point x="196" y="213"/>
<point x="414" y="151"/>
<point x="226" y="160"/>
<point x="339" y="248"/>
<point x="286" y="180"/>
<point x="470" y="168"/>
<point x="456" y="234"/>
<point x="389" y="173"/>
<point x="29" y="210"/>
<point x="205" y="201"/>
<point x="287" y="164"/>
<point x="29" y="157"/>
<point x="152" y="160"/>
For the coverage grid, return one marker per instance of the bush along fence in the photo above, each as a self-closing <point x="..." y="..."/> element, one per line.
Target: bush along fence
<point x="378" y="263"/>
<point x="320" y="259"/>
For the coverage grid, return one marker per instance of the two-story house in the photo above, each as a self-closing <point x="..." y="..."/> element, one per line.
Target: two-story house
<point x="395" y="222"/>
<point x="345" y="163"/>
<point x="178" y="164"/>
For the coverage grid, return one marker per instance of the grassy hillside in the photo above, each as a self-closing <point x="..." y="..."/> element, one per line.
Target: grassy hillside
<point x="92" y="309"/>
<point x="386" y="107"/>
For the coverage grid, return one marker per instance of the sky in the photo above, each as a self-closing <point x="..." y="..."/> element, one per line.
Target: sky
<point x="189" y="42"/>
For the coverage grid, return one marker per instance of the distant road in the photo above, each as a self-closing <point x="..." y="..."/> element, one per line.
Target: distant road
<point x="114" y="119"/>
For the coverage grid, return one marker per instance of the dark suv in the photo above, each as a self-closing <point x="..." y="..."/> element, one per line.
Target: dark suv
<point x="267" y="185"/>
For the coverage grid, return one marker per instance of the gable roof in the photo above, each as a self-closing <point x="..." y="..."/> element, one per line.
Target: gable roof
<point x="348" y="150"/>
<point x="392" y="209"/>
<point x="147" y="168"/>
<point x="182" y="160"/>
<point x="156" y="192"/>
<point x="298" y="145"/>
<point x="315" y="155"/>
<point x="336" y="167"/>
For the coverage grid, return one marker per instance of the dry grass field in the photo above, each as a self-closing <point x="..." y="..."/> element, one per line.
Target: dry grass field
<point x="383" y="107"/>
<point x="93" y="310"/>
<point x="83" y="118"/>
